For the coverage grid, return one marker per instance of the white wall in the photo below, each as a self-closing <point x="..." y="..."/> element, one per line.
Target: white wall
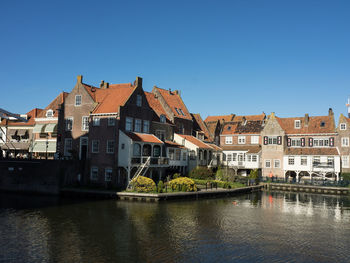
<point x="308" y="167"/>
<point x="124" y="154"/>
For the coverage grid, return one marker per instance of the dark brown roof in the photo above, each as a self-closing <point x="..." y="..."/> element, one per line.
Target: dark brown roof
<point x="199" y="125"/>
<point x="250" y="127"/>
<point x="220" y="118"/>
<point x="54" y="105"/>
<point x="250" y="149"/>
<point x="312" y="151"/>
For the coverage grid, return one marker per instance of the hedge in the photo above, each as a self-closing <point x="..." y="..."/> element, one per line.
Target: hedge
<point x="184" y="184"/>
<point x="143" y="184"/>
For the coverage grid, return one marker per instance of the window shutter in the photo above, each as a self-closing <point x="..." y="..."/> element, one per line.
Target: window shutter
<point x="311" y="142"/>
<point x="331" y="141"/>
<point x="289" y="142"/>
<point x="302" y="142"/>
<point x="279" y="140"/>
<point x="265" y="140"/>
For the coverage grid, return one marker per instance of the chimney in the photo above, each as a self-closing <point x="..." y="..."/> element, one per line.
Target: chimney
<point x="105" y="85"/>
<point x="306" y="123"/>
<point x="138" y="82"/>
<point x="169" y="91"/>
<point x="80" y="78"/>
<point x="102" y="83"/>
<point x="272" y="116"/>
<point x="243" y="120"/>
<point x="177" y="92"/>
<point x="330" y="112"/>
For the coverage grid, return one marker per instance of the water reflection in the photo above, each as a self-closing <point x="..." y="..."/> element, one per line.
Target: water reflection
<point x="261" y="227"/>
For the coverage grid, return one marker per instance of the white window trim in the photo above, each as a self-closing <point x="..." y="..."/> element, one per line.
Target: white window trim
<point x="291" y="158"/>
<point x="268" y="160"/>
<point x="81" y="100"/>
<point x="69" y="118"/>
<point x="241" y="139"/>
<point x="348" y="160"/>
<point x="274" y="163"/>
<point x="295" y="124"/>
<point x="256" y="141"/>
<point x="341" y="126"/>
<point x="82" y="123"/>
<point x="107" y="149"/>
<point x="228" y="140"/>
<point x="98" y="146"/>
<point x="51" y="113"/>
<point x="109" y="169"/>
<point x="342" y="142"/>
<point x="301" y="158"/>
<point x="94" y="119"/>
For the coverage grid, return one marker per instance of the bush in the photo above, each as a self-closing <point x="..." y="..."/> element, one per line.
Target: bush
<point x="220" y="175"/>
<point x="176" y="175"/>
<point x="183" y="183"/>
<point x="254" y="175"/>
<point x="202" y="173"/>
<point x="160" y="187"/>
<point x="143" y="184"/>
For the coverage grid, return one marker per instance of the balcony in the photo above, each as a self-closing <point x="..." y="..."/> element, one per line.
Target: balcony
<point x="155" y="161"/>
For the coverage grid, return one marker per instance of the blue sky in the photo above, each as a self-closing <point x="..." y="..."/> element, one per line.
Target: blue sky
<point x="242" y="57"/>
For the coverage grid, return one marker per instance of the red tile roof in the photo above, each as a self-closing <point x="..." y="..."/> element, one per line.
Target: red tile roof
<point x="155" y="104"/>
<point x="220" y="118"/>
<point x="173" y="144"/>
<point x="215" y="147"/>
<point x="174" y="101"/>
<point x="312" y="151"/>
<point x="143" y="137"/>
<point x="314" y="125"/>
<point x="201" y="125"/>
<point x="30" y="117"/>
<point x="54" y="105"/>
<point x="195" y="141"/>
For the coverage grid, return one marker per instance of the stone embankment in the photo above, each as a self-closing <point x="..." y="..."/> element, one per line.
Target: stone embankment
<point x="307" y="188"/>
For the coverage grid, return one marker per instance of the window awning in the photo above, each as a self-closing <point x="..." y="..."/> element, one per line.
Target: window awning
<point x="40" y="147"/>
<point x="51" y="127"/>
<point x="21" y="132"/>
<point x="38" y="128"/>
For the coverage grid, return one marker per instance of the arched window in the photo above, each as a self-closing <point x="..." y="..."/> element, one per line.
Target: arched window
<point x="146" y="150"/>
<point x="49" y="113"/>
<point x="156" y="151"/>
<point x="137" y="149"/>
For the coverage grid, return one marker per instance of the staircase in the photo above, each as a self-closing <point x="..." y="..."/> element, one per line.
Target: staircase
<point x="140" y="171"/>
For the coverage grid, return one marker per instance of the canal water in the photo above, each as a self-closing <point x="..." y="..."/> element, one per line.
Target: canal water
<point x="259" y="227"/>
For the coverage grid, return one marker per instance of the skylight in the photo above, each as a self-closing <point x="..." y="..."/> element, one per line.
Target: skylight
<point x="182" y="112"/>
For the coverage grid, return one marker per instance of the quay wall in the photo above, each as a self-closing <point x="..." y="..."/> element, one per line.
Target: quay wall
<point x="308" y="188"/>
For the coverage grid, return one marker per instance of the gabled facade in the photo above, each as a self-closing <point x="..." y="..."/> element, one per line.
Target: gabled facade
<point x="343" y="142"/>
<point x="300" y="147"/>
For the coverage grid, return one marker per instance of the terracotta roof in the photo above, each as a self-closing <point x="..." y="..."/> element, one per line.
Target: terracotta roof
<point x="54" y="105"/>
<point x="143" y="137"/>
<point x="112" y="98"/>
<point x="314" y="125"/>
<point x="198" y="124"/>
<point x="195" y="141"/>
<point x="173" y="144"/>
<point x="250" y="127"/>
<point x="311" y="151"/>
<point x="212" y="127"/>
<point x="155" y="104"/>
<point x="249" y="149"/>
<point x="249" y="117"/>
<point x="174" y="101"/>
<point x="30" y="117"/>
<point x="220" y="118"/>
<point x="214" y="146"/>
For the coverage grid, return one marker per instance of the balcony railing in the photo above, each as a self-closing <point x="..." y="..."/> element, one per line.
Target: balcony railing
<point x="323" y="165"/>
<point x="153" y="161"/>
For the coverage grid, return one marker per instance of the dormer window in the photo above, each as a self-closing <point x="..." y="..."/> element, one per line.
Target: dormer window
<point x="297" y="124"/>
<point x="162" y="118"/>
<point x="49" y="114"/>
<point x="322" y="124"/>
<point x="177" y="110"/>
<point x="139" y="100"/>
<point x="182" y="112"/>
<point x="342" y="126"/>
<point x="228" y="128"/>
<point x="77" y="100"/>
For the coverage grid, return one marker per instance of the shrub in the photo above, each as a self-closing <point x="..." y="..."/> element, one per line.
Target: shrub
<point x="220" y="175"/>
<point x="160" y="187"/>
<point x="202" y="173"/>
<point x="254" y="175"/>
<point x="143" y="184"/>
<point x="176" y="175"/>
<point x="182" y="182"/>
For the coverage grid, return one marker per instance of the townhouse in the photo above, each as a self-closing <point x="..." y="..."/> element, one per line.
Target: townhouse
<point x="342" y="142"/>
<point x="300" y="148"/>
<point x="240" y="141"/>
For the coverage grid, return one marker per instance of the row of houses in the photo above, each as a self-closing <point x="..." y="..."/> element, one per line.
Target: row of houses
<point x="115" y="131"/>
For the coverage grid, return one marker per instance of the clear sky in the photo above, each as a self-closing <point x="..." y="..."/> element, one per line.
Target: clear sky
<point x="237" y="56"/>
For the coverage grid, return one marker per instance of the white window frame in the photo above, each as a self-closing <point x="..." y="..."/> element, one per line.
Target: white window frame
<point x="277" y="163"/>
<point x="273" y="140"/>
<point x="138" y="100"/>
<point x="128" y="123"/>
<point x="69" y="123"/>
<point x="241" y="139"/>
<point x="110" y="149"/>
<point x="228" y="140"/>
<point x="138" y="125"/>
<point x="297" y="124"/>
<point x="345" y="161"/>
<point x="291" y="160"/>
<point x="96" y="121"/>
<point x="111" y="121"/>
<point x="303" y="160"/>
<point x="267" y="162"/>
<point x="254" y="139"/>
<point x="85" y="124"/>
<point x="345" y="141"/>
<point x="342" y="126"/>
<point x="68" y="142"/>
<point x="108" y="174"/>
<point x="229" y="157"/>
<point x="94" y="148"/>
<point x="49" y="113"/>
<point x="254" y="158"/>
<point x="94" y="173"/>
<point x="295" y="142"/>
<point x="78" y="100"/>
<point x="146" y="126"/>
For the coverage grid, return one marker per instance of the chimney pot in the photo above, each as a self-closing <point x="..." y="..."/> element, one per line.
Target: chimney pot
<point x="306" y="123"/>
<point x="330" y="112"/>
<point x="102" y="83"/>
